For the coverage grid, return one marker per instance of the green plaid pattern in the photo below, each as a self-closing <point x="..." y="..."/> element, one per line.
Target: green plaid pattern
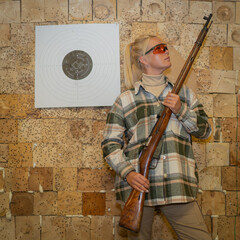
<point x="173" y="172"/>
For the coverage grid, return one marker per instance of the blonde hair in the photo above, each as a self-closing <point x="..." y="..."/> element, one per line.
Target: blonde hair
<point x="133" y="69"/>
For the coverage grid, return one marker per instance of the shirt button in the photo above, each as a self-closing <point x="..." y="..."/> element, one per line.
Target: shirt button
<point x="164" y="157"/>
<point x="165" y="175"/>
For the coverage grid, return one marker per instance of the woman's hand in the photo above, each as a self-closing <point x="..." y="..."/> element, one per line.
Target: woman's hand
<point x="172" y="101"/>
<point x="138" y="181"/>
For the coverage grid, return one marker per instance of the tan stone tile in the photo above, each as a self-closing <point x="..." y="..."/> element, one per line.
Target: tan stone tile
<point x="237" y="12"/>
<point x="138" y="28"/>
<point x="217" y="154"/>
<point x="65" y="179"/>
<point x="236" y="58"/>
<point x="53" y="228"/>
<point x="80" y="10"/>
<point x="229" y="129"/>
<point x="98" y="129"/>
<point x="5" y="35"/>
<point x="153" y="11"/>
<point x="4" y="148"/>
<point x="1" y="179"/>
<point x="232" y="203"/>
<point x="8" y="80"/>
<point x="69" y="203"/>
<point x="224" y="105"/>
<point x="223" y="12"/>
<point x="95" y="179"/>
<point x="32" y="11"/>
<point x="25" y="81"/>
<point x="214" y="227"/>
<point x="217" y="35"/>
<point x="4" y="204"/>
<point x="7" y="231"/>
<point x="210" y="178"/>
<point x="221" y="58"/>
<point x="177" y="10"/>
<point x="45" y="203"/>
<point x="10" y="11"/>
<point x="233" y="35"/>
<point x="78" y="228"/>
<point x="104" y="10"/>
<point x="21" y="204"/>
<point x="162" y="229"/>
<point x="27" y="227"/>
<point x="56" y="10"/>
<point x="128" y="10"/>
<point x="112" y="207"/>
<point x="230" y="177"/>
<point x="93" y="203"/>
<point x="234" y="155"/>
<point x="16" y="179"/>
<point x="102" y="228"/>
<point x="226" y="227"/>
<point x="213" y="203"/>
<point x="204" y="80"/>
<point x="20" y="155"/>
<point x="189" y="34"/>
<point x="26" y="57"/>
<point x="40" y="178"/>
<point x="119" y="232"/>
<point x="30" y="130"/>
<point x="207" y="101"/>
<point x="8" y="57"/>
<point x="199" y="154"/>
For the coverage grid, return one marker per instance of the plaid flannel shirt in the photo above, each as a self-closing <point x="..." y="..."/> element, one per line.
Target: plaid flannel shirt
<point x="173" y="173"/>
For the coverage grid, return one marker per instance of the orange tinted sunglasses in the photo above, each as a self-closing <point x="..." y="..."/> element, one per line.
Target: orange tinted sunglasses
<point x="159" y="48"/>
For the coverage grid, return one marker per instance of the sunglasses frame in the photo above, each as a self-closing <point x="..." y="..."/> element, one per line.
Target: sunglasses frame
<point x="165" y="48"/>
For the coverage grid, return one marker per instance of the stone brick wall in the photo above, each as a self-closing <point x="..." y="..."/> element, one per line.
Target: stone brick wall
<point x="54" y="183"/>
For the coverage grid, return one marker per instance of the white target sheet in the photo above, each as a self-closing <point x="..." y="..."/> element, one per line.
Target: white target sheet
<point x="77" y="65"/>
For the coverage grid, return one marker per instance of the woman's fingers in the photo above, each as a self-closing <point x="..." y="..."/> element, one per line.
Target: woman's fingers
<point x="173" y="102"/>
<point x="138" y="181"/>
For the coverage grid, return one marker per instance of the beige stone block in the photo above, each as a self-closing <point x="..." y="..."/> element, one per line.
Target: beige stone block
<point x="7" y="229"/>
<point x="226" y="227"/>
<point x="232" y="203"/>
<point x="213" y="203"/>
<point x="65" y="179"/>
<point x="8" y="80"/>
<point x="32" y="11"/>
<point x="45" y="203"/>
<point x="69" y="203"/>
<point x="8" y="132"/>
<point x="223" y="12"/>
<point x="234" y="153"/>
<point x="217" y="35"/>
<point x="221" y="58"/>
<point x="80" y="10"/>
<point x="197" y="10"/>
<point x="236" y="58"/>
<point x="138" y="28"/>
<point x="128" y="10"/>
<point x="104" y="10"/>
<point x="56" y="10"/>
<point x="93" y="158"/>
<point x="4" y="148"/>
<point x="177" y="10"/>
<point x="217" y="154"/>
<point x="16" y="179"/>
<point x="224" y="105"/>
<point x="95" y="179"/>
<point x="199" y="150"/>
<point x="97" y="131"/>
<point x="112" y="207"/>
<point x="8" y="57"/>
<point x="153" y="10"/>
<point x="229" y="129"/>
<point x="9" y="11"/>
<point x="53" y="228"/>
<point x="233" y="35"/>
<point x="207" y="101"/>
<point x="210" y="178"/>
<point x="237" y="12"/>
<point x="57" y="154"/>
<point x="30" y="130"/>
<point x="5" y="35"/>
<point x="2" y="177"/>
<point x="119" y="232"/>
<point x="162" y="229"/>
<point x="27" y="227"/>
<point x="214" y="227"/>
<point x="4" y="204"/>
<point x="78" y="228"/>
<point x="230" y="178"/>
<point x="170" y="32"/>
<point x="102" y="227"/>
<point x="189" y="35"/>
<point x="25" y="82"/>
<point x="26" y="57"/>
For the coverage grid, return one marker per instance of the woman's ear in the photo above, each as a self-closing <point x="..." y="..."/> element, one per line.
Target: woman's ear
<point x="142" y="60"/>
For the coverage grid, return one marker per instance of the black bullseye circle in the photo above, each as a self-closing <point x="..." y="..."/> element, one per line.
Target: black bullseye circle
<point x="77" y="65"/>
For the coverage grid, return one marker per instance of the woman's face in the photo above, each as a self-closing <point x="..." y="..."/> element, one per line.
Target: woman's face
<point x="155" y="63"/>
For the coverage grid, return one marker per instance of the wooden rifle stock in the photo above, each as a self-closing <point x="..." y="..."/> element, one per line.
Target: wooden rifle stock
<point x="131" y="216"/>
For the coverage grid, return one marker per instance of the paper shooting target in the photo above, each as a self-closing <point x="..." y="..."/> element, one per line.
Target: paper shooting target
<point x="77" y="65"/>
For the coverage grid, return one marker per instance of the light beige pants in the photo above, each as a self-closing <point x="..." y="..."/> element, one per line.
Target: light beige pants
<point x="185" y="218"/>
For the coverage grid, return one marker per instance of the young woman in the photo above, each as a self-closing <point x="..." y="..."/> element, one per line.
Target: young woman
<point x="173" y="179"/>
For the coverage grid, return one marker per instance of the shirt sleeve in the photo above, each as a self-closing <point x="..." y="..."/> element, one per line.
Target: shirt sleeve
<point x="113" y="142"/>
<point x="193" y="117"/>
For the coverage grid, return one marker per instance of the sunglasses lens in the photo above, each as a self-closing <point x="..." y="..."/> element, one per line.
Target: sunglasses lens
<point x="161" y="48"/>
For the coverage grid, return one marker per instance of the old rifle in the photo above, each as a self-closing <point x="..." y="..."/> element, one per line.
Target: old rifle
<point x="131" y="216"/>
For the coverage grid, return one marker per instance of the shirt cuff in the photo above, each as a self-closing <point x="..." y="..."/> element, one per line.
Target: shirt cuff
<point x="183" y="113"/>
